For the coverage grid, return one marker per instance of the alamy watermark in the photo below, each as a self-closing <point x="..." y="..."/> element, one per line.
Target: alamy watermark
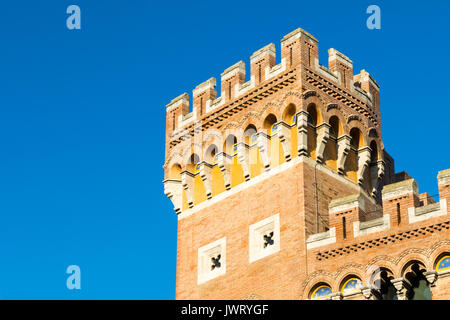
<point x="374" y="20"/>
<point x="73" y="22"/>
<point x="74" y="280"/>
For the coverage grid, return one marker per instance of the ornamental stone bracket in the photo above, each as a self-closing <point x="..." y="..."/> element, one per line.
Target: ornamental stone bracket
<point x="173" y="190"/>
<point x="377" y="174"/>
<point x="285" y="139"/>
<point x="323" y="134"/>
<point x="343" y="148"/>
<point x="224" y="163"/>
<point x="381" y="165"/>
<point x="263" y="146"/>
<point x="363" y="163"/>
<point x="402" y="287"/>
<point x="431" y="277"/>
<point x="206" y="175"/>
<point x="369" y="293"/>
<point x="337" y="296"/>
<point x="302" y="128"/>
<point x="187" y="181"/>
<point x="242" y="153"/>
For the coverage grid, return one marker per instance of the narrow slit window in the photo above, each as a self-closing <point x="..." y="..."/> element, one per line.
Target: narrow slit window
<point x="201" y="106"/>
<point x="344" y="228"/>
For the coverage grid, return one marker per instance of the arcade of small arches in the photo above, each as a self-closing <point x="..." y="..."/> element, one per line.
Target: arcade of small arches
<point x="414" y="283"/>
<point x="345" y="146"/>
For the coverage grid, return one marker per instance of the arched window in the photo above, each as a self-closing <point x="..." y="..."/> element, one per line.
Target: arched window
<point x="321" y="292"/>
<point x="313" y="120"/>
<point x="443" y="262"/>
<point x="351" y="284"/>
<point x="289" y="114"/>
<point x="175" y="172"/>
<point x="373" y="133"/>
<point x="269" y="124"/>
<point x="420" y="288"/>
<point x="312" y="114"/>
<point x="382" y="282"/>
<point x="229" y="145"/>
<point x="193" y="163"/>
<point x="336" y="129"/>
<point x="357" y="141"/>
<point x="373" y="152"/>
<point x="211" y="153"/>
<point x="250" y="135"/>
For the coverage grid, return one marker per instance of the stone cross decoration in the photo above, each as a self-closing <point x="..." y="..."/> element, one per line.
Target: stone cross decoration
<point x="268" y="241"/>
<point x="215" y="262"/>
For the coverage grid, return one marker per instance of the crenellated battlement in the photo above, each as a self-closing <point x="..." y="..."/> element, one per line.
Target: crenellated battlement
<point x="292" y="109"/>
<point x="354" y="227"/>
<point x="299" y="53"/>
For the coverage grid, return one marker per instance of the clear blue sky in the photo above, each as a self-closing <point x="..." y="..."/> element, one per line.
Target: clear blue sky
<point x="83" y="117"/>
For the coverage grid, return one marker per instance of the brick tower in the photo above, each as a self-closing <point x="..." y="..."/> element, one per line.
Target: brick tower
<point x="284" y="190"/>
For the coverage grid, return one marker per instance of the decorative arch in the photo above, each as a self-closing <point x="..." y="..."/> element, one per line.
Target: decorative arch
<point x="439" y="249"/>
<point x="175" y="171"/>
<point x="347" y="272"/>
<point x="414" y="272"/>
<point x="351" y="284"/>
<point x="336" y="127"/>
<point x="250" y="118"/>
<point x="213" y="136"/>
<point x="373" y="133"/>
<point x="270" y="107"/>
<point x="358" y="140"/>
<point x="269" y="123"/>
<point x="175" y="157"/>
<point x="318" y="102"/>
<point x="192" y="163"/>
<point x="442" y="262"/>
<point x="321" y="291"/>
<point x="289" y="114"/>
<point x="210" y="153"/>
<point x="381" y="280"/>
<point x="314" y="280"/>
<point x="294" y="97"/>
<point x="385" y="262"/>
<point x="229" y="144"/>
<point x="406" y="262"/>
<point x="249" y="134"/>
<point x="314" y="114"/>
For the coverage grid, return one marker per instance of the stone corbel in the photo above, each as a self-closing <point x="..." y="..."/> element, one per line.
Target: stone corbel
<point x="263" y="145"/>
<point x="367" y="292"/>
<point x="337" y="296"/>
<point x="431" y="277"/>
<point x="302" y="128"/>
<point x="187" y="181"/>
<point x="285" y="139"/>
<point x="363" y="163"/>
<point x="343" y="148"/>
<point x="224" y="163"/>
<point x="381" y="166"/>
<point x="370" y="293"/>
<point x="206" y="175"/>
<point x="173" y="190"/>
<point x="377" y="173"/>
<point x="242" y="153"/>
<point x="323" y="134"/>
<point x="402" y="287"/>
